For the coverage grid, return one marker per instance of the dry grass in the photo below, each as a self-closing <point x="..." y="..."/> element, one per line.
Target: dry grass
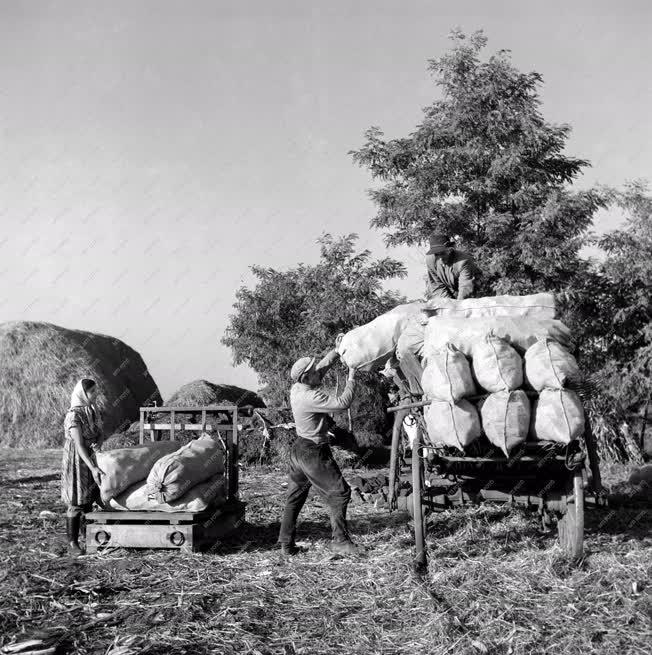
<point x="42" y="362"/>
<point x="495" y="584"/>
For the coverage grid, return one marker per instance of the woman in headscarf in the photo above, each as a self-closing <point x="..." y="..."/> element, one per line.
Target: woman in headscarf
<point x="80" y="475"/>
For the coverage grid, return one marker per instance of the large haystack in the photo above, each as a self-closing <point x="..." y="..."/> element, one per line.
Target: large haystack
<point x="39" y="365"/>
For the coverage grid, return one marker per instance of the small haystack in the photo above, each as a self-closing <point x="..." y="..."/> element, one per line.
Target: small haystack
<point x="41" y="363"/>
<point x="202" y="392"/>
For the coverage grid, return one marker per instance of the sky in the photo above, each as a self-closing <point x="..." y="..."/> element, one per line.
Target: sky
<point x="151" y="152"/>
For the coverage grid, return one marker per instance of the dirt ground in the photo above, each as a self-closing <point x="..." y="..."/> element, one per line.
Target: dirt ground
<point x="495" y="584"/>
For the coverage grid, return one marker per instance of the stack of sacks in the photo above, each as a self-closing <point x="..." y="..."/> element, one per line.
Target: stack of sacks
<point x="450" y="419"/>
<point x="505" y="412"/>
<point x="189" y="478"/>
<point x="539" y="306"/>
<point x="557" y="414"/>
<point x="124" y="467"/>
<point x="494" y="345"/>
<point x="369" y="346"/>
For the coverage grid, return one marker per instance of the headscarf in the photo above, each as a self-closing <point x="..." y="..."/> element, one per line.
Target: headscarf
<point x="78" y="398"/>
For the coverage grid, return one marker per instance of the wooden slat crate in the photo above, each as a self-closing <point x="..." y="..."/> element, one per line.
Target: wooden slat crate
<point x="184" y="531"/>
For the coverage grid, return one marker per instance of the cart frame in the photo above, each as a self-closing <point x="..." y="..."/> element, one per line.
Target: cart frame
<point x="556" y="483"/>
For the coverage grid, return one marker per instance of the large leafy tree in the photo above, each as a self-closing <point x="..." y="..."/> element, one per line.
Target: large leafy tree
<point x="300" y="311"/>
<point x="485" y="166"/>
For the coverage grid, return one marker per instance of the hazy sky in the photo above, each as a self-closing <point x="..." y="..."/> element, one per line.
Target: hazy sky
<point x="150" y="152"/>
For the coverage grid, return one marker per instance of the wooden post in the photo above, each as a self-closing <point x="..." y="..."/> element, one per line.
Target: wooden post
<point x="203" y="420"/>
<point x="172" y="425"/>
<point x="152" y="431"/>
<point x="141" y="431"/>
<point x="233" y="456"/>
<point x="420" y="559"/>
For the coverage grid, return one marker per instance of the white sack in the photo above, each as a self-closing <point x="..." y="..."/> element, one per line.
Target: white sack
<point x="411" y="337"/>
<point x="210" y="493"/>
<point x="447" y="375"/>
<point x="549" y="365"/>
<point x="521" y="333"/>
<point x="173" y="475"/>
<point x="124" y="467"/>
<point x="496" y="365"/>
<point x="557" y="415"/>
<point x="538" y="305"/>
<point x="369" y="346"/>
<point x="452" y="424"/>
<point x="506" y="418"/>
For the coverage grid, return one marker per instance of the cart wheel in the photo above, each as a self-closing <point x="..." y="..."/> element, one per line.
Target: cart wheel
<point x="395" y="458"/>
<point x="420" y="559"/>
<point x="570" y="526"/>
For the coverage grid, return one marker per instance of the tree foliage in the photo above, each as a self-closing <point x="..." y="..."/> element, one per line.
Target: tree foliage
<point x="486" y="167"/>
<point x="300" y="311"/>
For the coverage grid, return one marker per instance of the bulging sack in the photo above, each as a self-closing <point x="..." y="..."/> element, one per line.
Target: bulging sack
<point x="411" y="338"/>
<point x="506" y="418"/>
<point x="123" y="467"/>
<point x="447" y="375"/>
<point x="496" y="365"/>
<point x="369" y="346"/>
<point x="173" y="475"/>
<point x="557" y="415"/>
<point x="210" y="493"/>
<point x="549" y="365"/>
<point x="521" y="333"/>
<point x="537" y="305"/>
<point x="452" y="424"/>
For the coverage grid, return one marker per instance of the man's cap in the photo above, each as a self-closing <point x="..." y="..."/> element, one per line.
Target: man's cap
<point x="300" y="367"/>
<point x="438" y="243"/>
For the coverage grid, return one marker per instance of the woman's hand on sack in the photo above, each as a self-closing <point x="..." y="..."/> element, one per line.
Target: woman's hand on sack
<point x="338" y="339"/>
<point x="97" y="473"/>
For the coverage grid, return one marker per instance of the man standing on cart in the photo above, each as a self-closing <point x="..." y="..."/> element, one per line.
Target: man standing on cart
<point x="452" y="273"/>
<point x="311" y="458"/>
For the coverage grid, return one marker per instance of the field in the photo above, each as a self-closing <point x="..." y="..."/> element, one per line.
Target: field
<point x="495" y="583"/>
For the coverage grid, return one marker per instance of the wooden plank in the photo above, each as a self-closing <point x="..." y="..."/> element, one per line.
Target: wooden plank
<point x="197" y="408"/>
<point x="190" y="427"/>
<point x="145" y="516"/>
<point x="138" y="536"/>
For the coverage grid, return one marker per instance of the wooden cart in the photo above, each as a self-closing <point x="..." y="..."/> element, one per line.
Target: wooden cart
<point x="551" y="477"/>
<point x="186" y="531"/>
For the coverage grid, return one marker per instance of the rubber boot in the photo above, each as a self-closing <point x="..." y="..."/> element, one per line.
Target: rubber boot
<point x="72" y="530"/>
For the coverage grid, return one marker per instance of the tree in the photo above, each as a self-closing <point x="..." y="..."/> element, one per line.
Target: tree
<point x="300" y="311"/>
<point x="628" y="267"/>
<point x="486" y="167"/>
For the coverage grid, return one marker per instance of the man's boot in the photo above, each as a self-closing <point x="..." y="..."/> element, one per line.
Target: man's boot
<point x="345" y="547"/>
<point x="291" y="549"/>
<point x="72" y="529"/>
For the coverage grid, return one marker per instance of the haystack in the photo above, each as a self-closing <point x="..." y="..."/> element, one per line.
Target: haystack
<point x="40" y="364"/>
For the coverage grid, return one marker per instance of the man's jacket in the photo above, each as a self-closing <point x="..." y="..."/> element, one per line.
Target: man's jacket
<point x="451" y="276"/>
<point x="310" y="405"/>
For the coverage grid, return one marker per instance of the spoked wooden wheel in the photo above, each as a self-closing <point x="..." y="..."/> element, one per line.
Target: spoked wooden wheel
<point x="570" y="527"/>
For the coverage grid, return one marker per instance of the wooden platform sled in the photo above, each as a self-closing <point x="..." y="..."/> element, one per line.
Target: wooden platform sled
<point x="182" y="531"/>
